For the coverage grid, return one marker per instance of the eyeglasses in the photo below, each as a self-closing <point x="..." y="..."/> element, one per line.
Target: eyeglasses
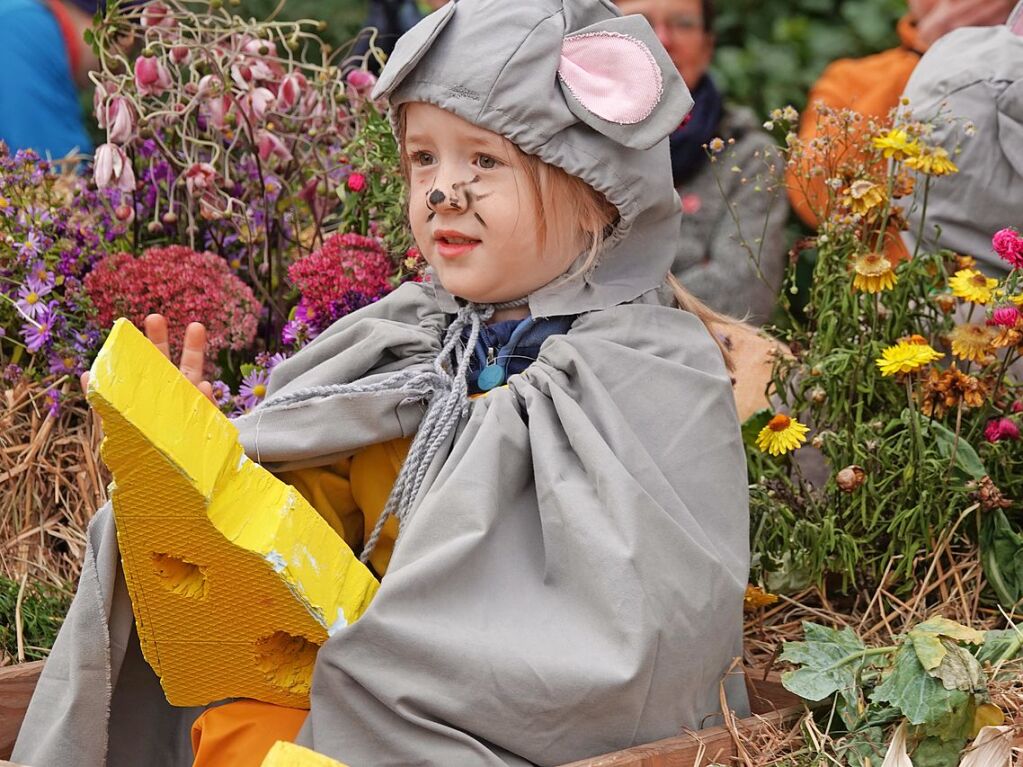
<point x="678" y="25"/>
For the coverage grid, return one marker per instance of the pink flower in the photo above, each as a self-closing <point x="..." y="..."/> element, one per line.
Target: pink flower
<point x="209" y="85"/>
<point x="180" y="54"/>
<point x="270" y="145"/>
<point x="199" y="178"/>
<point x="291" y="90"/>
<point x="256" y="104"/>
<point x="184" y="285"/>
<point x="151" y="76"/>
<point x="1008" y="244"/>
<point x="113" y="169"/>
<point x="218" y="110"/>
<point x="120" y="122"/>
<point x="1005" y="316"/>
<point x="349" y="271"/>
<point x="1001" y="429"/>
<point x="356" y="182"/>
<point x="157" y="15"/>
<point x="361" y="80"/>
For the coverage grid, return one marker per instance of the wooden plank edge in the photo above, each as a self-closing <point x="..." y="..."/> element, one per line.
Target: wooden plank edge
<point x="17" y="683"/>
<point x="693" y="748"/>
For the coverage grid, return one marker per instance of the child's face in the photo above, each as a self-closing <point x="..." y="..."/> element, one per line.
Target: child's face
<point x="472" y="210"/>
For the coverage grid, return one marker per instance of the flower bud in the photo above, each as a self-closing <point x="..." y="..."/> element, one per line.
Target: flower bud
<point x="170" y="217"/>
<point x="818" y="396"/>
<point x="180" y="54"/>
<point x="124" y="213"/>
<point x="151" y="76"/>
<point x="356" y="182"/>
<point x="850" y="478"/>
<point x="291" y="90"/>
<point x="113" y="169"/>
<point x="361" y="80"/>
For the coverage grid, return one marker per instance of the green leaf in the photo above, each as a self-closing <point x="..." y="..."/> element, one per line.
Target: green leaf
<point x="1006" y="644"/>
<point x="1001" y="555"/>
<point x="966" y="458"/>
<point x="826" y="668"/>
<point x="920" y="697"/>
<point x="935" y="752"/>
<point x="926" y="638"/>
<point x="959" y="670"/>
<point x="752" y="426"/>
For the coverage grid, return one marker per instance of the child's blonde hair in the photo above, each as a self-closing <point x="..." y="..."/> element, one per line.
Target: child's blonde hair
<point x="559" y="198"/>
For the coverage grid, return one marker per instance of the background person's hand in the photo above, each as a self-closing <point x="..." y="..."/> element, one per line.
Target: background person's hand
<point x="193" y="352"/>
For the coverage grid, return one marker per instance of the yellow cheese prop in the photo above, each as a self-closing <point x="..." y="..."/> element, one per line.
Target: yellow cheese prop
<point x="289" y="755"/>
<point x="234" y="578"/>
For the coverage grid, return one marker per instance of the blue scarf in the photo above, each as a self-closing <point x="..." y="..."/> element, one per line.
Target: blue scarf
<point x="687" y="153"/>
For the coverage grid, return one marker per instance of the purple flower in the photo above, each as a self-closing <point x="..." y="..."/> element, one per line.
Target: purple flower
<point x="12" y="373"/>
<point x="270" y="361"/>
<point x="37" y="335"/>
<point x="54" y="397"/>
<point x="32" y="246"/>
<point x="65" y="363"/>
<point x="253" y="389"/>
<point x="30" y="298"/>
<point x="221" y="393"/>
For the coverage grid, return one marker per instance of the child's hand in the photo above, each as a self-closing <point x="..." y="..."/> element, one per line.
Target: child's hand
<point x="193" y="353"/>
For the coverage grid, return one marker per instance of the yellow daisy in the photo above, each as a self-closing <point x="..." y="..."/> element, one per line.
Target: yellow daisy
<point x="972" y="341"/>
<point x="933" y="161"/>
<point x="897" y="144"/>
<point x="971" y="285"/>
<point x="905" y="357"/>
<point x="863" y="196"/>
<point x="781" y="435"/>
<point x="874" y="273"/>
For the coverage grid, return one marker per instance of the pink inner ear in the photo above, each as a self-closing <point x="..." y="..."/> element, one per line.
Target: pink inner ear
<point x="1017" y="23"/>
<point x="614" y="76"/>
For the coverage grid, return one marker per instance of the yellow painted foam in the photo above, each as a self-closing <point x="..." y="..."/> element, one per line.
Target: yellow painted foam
<point x="234" y="578"/>
<point x="285" y="754"/>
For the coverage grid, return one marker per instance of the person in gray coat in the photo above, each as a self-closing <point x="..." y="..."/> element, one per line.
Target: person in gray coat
<point x="972" y="79"/>
<point x="573" y="543"/>
<point x="732" y="250"/>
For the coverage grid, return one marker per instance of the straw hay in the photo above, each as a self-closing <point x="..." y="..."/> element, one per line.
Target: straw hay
<point x="51" y="482"/>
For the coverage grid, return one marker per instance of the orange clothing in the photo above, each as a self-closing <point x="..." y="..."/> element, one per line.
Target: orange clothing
<point x="871" y="86"/>
<point x="350" y="494"/>
<point x="240" y="734"/>
<point x="72" y="41"/>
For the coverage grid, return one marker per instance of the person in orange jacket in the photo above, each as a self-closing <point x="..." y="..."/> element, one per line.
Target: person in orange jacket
<point x="873" y="85"/>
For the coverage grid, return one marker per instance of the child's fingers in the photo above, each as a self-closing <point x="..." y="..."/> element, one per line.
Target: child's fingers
<point x="193" y="353"/>
<point x="156" y="331"/>
<point x="83" y="379"/>
<point x="207" y="390"/>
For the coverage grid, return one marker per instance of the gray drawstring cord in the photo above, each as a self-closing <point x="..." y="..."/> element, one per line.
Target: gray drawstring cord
<point x="445" y="391"/>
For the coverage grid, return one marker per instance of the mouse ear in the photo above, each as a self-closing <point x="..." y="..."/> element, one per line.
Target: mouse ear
<point x="1015" y="22"/>
<point x="410" y="48"/>
<point x="618" y="79"/>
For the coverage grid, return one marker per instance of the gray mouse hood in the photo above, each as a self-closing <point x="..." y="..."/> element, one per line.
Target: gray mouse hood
<point x="581" y="87"/>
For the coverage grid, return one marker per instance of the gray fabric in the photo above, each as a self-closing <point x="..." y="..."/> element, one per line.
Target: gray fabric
<point x="972" y="74"/>
<point x="508" y="83"/>
<point x="711" y="262"/>
<point x="571" y="579"/>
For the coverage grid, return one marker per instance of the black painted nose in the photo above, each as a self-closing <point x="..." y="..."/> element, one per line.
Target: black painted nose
<point x="436" y="197"/>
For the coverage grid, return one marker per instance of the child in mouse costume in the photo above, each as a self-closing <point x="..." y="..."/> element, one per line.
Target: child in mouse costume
<point x="573" y="549"/>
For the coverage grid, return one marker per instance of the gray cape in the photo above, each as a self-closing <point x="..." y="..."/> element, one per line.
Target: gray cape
<point x="571" y="579"/>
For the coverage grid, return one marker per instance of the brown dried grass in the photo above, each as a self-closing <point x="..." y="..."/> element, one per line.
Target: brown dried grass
<point x="51" y="482"/>
<point x="952" y="586"/>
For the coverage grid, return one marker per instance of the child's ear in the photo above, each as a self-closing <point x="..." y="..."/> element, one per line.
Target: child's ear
<point x="411" y="47"/>
<point x="618" y="79"/>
